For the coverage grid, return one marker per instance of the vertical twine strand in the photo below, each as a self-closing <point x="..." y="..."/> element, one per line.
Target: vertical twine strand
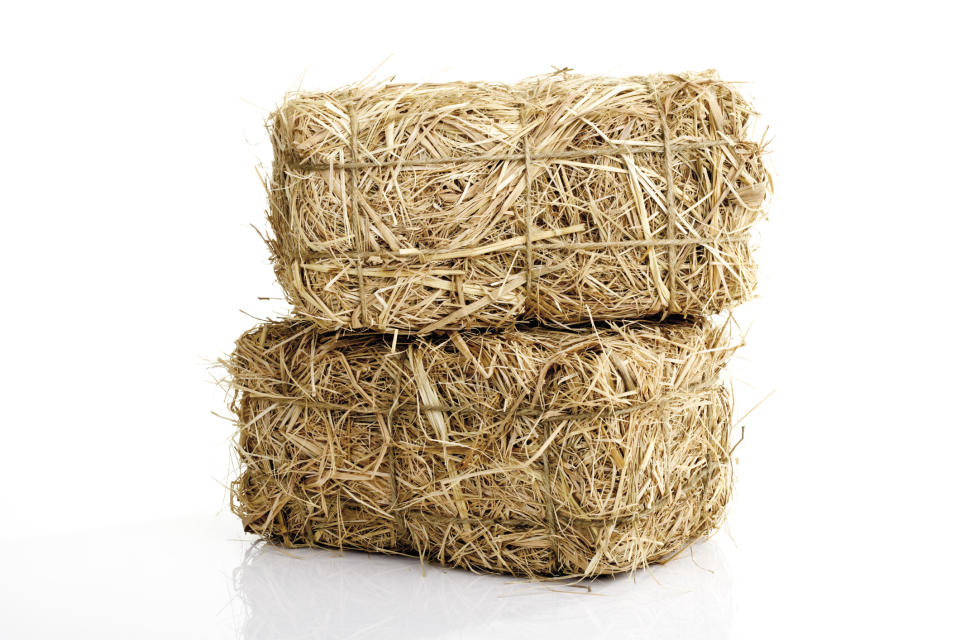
<point x="359" y="228"/>
<point x="672" y="306"/>
<point x="551" y="509"/>
<point x="400" y="530"/>
<point x="527" y="202"/>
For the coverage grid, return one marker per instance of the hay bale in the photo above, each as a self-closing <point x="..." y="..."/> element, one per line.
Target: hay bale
<point x="536" y="452"/>
<point x="450" y="206"/>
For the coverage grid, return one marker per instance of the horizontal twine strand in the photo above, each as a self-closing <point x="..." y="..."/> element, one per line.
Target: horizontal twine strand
<point x="611" y="150"/>
<point x="565" y="246"/>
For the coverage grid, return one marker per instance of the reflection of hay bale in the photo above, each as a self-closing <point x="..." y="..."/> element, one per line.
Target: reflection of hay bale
<point x="536" y="452"/>
<point x="562" y="198"/>
<point x="309" y="593"/>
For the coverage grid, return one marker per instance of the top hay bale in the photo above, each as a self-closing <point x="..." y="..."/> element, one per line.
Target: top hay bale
<point x="425" y="207"/>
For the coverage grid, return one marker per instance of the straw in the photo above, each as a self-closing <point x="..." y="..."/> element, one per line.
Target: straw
<point x="541" y="452"/>
<point x="426" y="207"/>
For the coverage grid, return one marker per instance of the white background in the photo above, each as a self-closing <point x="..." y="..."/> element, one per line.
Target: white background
<point x="130" y="139"/>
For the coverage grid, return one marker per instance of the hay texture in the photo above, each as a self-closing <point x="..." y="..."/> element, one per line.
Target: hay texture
<point x="541" y="452"/>
<point x="420" y="207"/>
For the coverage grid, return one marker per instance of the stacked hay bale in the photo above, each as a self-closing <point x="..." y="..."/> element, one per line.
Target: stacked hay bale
<point x="467" y="376"/>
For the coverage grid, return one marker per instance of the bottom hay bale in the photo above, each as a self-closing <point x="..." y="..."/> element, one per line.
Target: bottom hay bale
<point x="534" y="452"/>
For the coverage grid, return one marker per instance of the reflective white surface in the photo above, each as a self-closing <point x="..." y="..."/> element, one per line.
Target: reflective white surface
<point x="195" y="578"/>
<point x="319" y="594"/>
<point x="133" y="131"/>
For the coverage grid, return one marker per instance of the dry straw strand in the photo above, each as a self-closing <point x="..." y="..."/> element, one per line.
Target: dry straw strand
<point x="427" y="207"/>
<point x="542" y="452"/>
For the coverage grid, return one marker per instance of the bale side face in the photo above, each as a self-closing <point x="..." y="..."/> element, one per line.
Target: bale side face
<point x="532" y="453"/>
<point x="426" y="207"/>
